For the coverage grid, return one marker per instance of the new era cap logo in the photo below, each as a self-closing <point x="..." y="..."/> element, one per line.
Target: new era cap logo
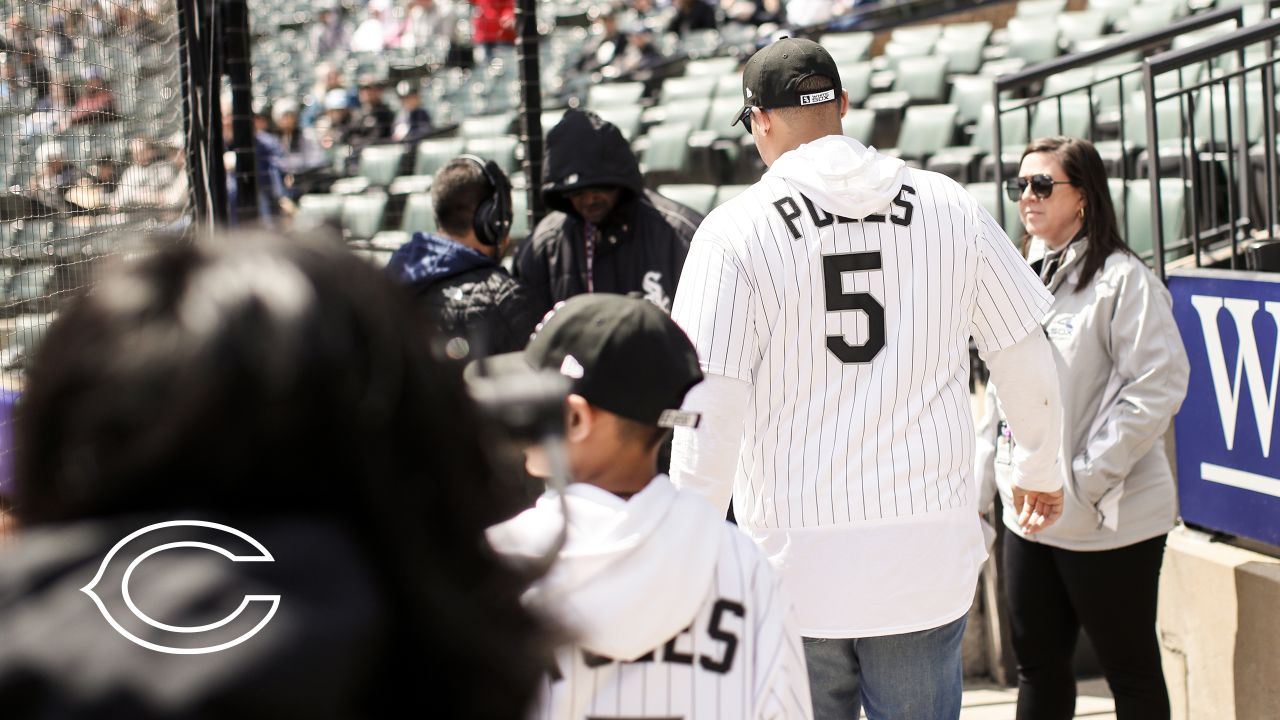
<point x="571" y="368"/>
<point x="815" y="98"/>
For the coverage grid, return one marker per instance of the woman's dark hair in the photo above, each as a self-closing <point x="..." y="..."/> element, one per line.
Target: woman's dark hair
<point x="1084" y="168"/>
<point x="256" y="378"/>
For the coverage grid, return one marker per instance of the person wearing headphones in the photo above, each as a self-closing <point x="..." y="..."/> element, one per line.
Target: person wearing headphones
<point x="476" y="307"/>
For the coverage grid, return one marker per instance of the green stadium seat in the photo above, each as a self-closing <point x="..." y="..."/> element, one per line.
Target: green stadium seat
<point x="722" y="113"/>
<point x="987" y="195"/>
<point x="519" y="215"/>
<point x="958" y="162"/>
<point x="1040" y="9"/>
<point x="625" y="117"/>
<point x="362" y="215"/>
<point x="698" y="197"/>
<point x="977" y="33"/>
<point x="712" y="66"/>
<point x="1084" y="25"/>
<point x="694" y="111"/>
<point x="1034" y="40"/>
<point x="1139" y="233"/>
<point x="435" y="153"/>
<point x="698" y="87"/>
<point x="1150" y="16"/>
<point x="1067" y="115"/>
<point x="859" y="124"/>
<point x="922" y="36"/>
<point x="923" y="79"/>
<point x="419" y="216"/>
<point x="725" y="193"/>
<point x="856" y="79"/>
<point x="962" y="54"/>
<point x="1115" y="10"/>
<point x="1068" y="80"/>
<point x="380" y="164"/>
<point x="926" y="129"/>
<point x="410" y="184"/>
<point x="970" y="94"/>
<point x="612" y="95"/>
<point x="486" y="126"/>
<point x="551" y="118"/>
<point x="501" y="150"/>
<point x="315" y="210"/>
<point x="729" y="86"/>
<point x="665" y="149"/>
<point x="848" y="47"/>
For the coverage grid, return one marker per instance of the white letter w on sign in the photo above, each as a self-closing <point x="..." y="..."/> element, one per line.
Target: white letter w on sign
<point x="1227" y="387"/>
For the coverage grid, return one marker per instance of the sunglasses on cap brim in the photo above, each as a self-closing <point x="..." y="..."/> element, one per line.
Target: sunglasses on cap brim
<point x="1041" y="186"/>
<point x="745" y="117"/>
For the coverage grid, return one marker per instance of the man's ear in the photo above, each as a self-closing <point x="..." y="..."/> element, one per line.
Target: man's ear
<point x="844" y="103"/>
<point x="761" y="121"/>
<point x="579" y="419"/>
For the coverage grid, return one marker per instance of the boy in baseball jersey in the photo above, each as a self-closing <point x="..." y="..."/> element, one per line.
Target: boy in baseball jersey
<point x="673" y="613"/>
<point x="832" y="305"/>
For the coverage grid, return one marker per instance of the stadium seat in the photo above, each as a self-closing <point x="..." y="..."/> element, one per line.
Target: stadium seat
<point x="987" y="195"/>
<point x="859" y="124"/>
<point x="921" y="36"/>
<point x="501" y="150"/>
<point x="712" y="66"/>
<point x="551" y="118"/>
<point x="848" y="47"/>
<point x="977" y="33"/>
<point x="362" y="215"/>
<point x="1040" y="9"/>
<point x="1034" y="40"/>
<point x="730" y="86"/>
<point x="410" y="184"/>
<point x="519" y="215"/>
<point x="698" y="197"/>
<point x="926" y="129"/>
<point x="613" y="95"/>
<point x="690" y="110"/>
<point x="958" y="162"/>
<point x="317" y="209"/>
<point x="1069" y="115"/>
<point x="625" y="117"/>
<point x="698" y="87"/>
<point x="433" y="154"/>
<point x="419" y="216"/>
<point x="1139" y="233"/>
<point x="856" y="79"/>
<point x="1115" y="10"/>
<point x="963" y="54"/>
<point x="1084" y="25"/>
<point x="486" y="126"/>
<point x="380" y="164"/>
<point x="665" y="150"/>
<point x="1150" y="16"/>
<point x="923" y="79"/>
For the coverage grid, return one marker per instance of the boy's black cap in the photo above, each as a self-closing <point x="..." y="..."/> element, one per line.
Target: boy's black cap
<point x="622" y="354"/>
<point x="773" y="75"/>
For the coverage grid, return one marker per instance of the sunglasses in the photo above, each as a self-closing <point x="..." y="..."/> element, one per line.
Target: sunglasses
<point x="745" y="117"/>
<point x="1041" y="186"/>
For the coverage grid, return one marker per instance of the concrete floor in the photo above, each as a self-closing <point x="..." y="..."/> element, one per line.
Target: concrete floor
<point x="987" y="702"/>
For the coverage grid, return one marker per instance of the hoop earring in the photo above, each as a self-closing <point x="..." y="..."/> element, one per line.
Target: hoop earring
<point x="1081" y="213"/>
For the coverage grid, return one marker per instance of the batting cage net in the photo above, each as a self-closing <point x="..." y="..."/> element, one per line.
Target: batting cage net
<point x="92" y="156"/>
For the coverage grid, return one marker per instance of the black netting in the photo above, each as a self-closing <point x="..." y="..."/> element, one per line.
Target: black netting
<point x="91" y="154"/>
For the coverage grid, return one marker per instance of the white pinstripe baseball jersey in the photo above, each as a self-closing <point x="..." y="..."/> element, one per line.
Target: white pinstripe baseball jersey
<point x="853" y="334"/>
<point x="677" y="614"/>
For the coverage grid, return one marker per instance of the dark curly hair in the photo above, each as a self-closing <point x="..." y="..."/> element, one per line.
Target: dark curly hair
<point x="253" y="376"/>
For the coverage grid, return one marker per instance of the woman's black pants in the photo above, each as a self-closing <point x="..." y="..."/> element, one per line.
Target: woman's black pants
<point x="1052" y="593"/>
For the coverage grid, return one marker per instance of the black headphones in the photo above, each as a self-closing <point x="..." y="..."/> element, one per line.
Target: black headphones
<point x="493" y="216"/>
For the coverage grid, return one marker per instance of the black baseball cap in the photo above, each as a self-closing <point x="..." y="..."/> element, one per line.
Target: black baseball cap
<point x="622" y="354"/>
<point x="773" y="75"/>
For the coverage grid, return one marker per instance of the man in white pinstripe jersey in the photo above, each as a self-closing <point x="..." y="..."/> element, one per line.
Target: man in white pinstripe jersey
<point x="831" y="305"/>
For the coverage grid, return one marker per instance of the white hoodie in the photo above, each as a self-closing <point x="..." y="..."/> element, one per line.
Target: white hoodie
<point x="674" y="613"/>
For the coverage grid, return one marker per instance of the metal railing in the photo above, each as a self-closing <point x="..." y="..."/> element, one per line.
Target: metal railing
<point x="1032" y="79"/>
<point x="1236" y="163"/>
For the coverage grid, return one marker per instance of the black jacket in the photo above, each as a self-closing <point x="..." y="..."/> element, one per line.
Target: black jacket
<point x="319" y="656"/>
<point x="466" y="294"/>
<point x="643" y="242"/>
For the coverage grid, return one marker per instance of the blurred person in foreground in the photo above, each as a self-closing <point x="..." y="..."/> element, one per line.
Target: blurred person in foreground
<point x="604" y="230"/>
<point x="675" y="613"/>
<point x="454" y="271"/>
<point x="268" y="387"/>
<point x="1124" y="375"/>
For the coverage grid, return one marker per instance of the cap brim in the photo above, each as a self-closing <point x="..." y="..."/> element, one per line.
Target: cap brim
<point x="741" y="111"/>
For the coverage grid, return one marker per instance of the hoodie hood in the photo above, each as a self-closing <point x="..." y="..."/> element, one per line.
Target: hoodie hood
<point x="842" y="176"/>
<point x="427" y="259"/>
<point x="615" y="583"/>
<point x="585" y="151"/>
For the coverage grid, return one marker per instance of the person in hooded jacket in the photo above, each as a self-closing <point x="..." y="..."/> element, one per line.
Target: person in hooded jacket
<point x="260" y="396"/>
<point x="673" y="613"/>
<point x="605" y="231"/>
<point x="454" y="272"/>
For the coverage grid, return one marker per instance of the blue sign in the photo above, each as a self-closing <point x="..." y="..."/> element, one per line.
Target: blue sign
<point x="1227" y="431"/>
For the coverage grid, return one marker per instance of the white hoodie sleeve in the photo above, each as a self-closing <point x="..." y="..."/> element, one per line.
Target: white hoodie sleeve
<point x="704" y="460"/>
<point x="1029" y="398"/>
<point x="780" y="678"/>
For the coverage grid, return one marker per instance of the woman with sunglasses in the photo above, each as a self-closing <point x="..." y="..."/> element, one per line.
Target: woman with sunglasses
<point x="1124" y="374"/>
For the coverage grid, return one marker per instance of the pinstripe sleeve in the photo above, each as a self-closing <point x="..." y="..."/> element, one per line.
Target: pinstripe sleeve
<point x="781" y="676"/>
<point x="1010" y="299"/>
<point x="715" y="307"/>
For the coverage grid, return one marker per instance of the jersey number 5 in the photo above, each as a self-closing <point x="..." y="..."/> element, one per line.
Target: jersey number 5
<point x="833" y="268"/>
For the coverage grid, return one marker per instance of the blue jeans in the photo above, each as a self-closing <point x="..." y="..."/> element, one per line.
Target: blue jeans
<point x="915" y="676"/>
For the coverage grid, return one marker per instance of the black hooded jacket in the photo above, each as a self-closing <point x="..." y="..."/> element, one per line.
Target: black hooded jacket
<point x="643" y="242"/>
